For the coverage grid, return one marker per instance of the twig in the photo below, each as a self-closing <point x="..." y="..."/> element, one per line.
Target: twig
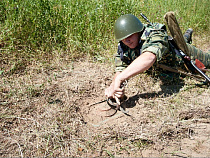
<point x="19" y="149"/>
<point x="15" y="141"/>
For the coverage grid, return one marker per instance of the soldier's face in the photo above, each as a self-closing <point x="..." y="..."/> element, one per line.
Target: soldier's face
<point x="132" y="40"/>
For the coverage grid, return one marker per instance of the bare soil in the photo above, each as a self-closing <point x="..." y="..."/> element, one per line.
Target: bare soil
<point x="47" y="110"/>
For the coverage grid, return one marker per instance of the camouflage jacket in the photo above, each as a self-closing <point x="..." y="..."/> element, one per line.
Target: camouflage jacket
<point x="153" y="39"/>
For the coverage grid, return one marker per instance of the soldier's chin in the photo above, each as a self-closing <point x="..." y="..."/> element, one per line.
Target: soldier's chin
<point x="131" y="46"/>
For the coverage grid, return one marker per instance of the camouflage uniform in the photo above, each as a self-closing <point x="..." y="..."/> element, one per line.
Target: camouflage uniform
<point x="155" y="40"/>
<point x="196" y="53"/>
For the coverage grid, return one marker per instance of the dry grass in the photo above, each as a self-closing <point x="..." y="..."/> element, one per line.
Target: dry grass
<point x="44" y="112"/>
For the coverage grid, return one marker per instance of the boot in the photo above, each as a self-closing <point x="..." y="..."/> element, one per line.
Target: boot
<point x="188" y="35"/>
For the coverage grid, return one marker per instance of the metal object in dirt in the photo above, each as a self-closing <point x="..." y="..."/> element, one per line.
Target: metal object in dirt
<point x="102" y="101"/>
<point x="114" y="103"/>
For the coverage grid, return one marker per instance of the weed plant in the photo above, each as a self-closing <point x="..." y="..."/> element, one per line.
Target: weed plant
<point x="83" y="27"/>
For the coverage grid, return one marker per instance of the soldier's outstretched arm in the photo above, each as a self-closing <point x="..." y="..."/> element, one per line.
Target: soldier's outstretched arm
<point x="139" y="65"/>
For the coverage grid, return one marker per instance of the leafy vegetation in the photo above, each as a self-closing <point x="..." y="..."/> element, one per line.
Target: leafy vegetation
<point x="81" y="27"/>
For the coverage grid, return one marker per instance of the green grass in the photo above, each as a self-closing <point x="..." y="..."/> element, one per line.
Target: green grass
<point x="32" y="29"/>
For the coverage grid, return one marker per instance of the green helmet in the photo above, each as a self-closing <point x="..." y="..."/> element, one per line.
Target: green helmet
<point x="127" y="25"/>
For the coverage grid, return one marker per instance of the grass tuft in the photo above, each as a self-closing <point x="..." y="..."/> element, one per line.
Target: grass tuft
<point x="83" y="27"/>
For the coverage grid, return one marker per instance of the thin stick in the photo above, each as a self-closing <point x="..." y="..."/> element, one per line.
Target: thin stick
<point x="19" y="149"/>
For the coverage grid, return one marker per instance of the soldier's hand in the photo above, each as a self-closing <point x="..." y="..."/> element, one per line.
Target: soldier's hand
<point x="118" y="89"/>
<point x="110" y="92"/>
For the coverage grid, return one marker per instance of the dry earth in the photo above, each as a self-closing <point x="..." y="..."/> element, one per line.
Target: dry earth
<point x="47" y="111"/>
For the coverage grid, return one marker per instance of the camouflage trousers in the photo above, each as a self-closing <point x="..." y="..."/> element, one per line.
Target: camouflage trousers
<point x="196" y="53"/>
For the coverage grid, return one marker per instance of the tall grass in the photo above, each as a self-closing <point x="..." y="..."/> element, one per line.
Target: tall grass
<point x="85" y="26"/>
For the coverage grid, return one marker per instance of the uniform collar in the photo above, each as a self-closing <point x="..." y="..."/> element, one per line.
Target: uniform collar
<point x="145" y="31"/>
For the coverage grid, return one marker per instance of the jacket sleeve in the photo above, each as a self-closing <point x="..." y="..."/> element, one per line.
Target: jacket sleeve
<point x="157" y="43"/>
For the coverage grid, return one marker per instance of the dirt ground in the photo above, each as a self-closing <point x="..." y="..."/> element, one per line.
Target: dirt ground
<point x="47" y="111"/>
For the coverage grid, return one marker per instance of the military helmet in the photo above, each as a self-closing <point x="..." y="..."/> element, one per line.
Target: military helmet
<point x="127" y="25"/>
